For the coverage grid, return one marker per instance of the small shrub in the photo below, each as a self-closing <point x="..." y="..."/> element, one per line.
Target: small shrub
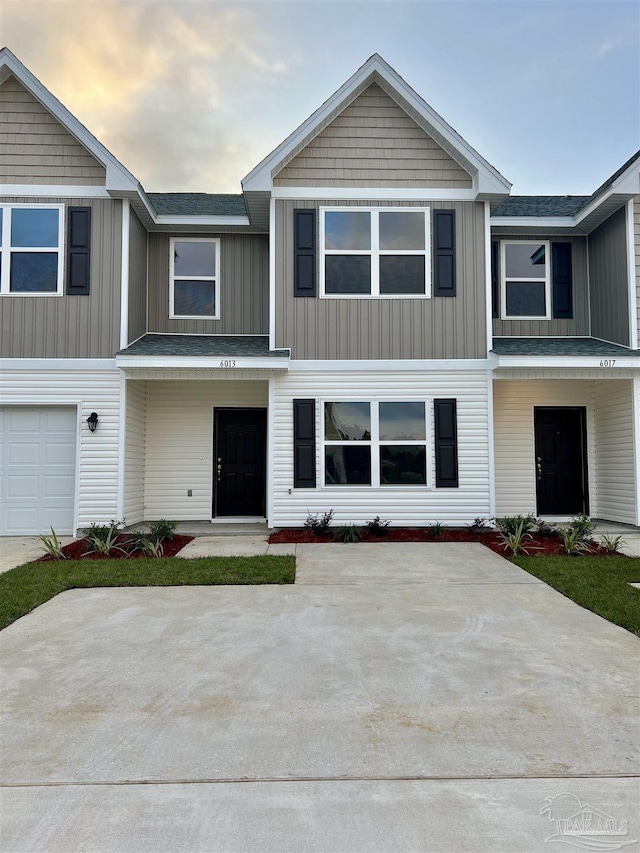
<point x="574" y="541"/>
<point x="52" y="545"/>
<point x="583" y="525"/>
<point x="102" y="531"/>
<point x="348" y="533"/>
<point x="435" y="529"/>
<point x="515" y="539"/>
<point x="611" y="544"/>
<point x="102" y="538"/>
<point x="162" y="530"/>
<point x="511" y="524"/>
<point x="478" y="525"/>
<point x="378" y="527"/>
<point x="150" y="547"/>
<point x="319" y="524"/>
<point x="545" y="529"/>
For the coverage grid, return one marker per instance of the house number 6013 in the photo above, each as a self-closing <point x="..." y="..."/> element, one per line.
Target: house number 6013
<point x="228" y="362"/>
<point x="607" y="362"/>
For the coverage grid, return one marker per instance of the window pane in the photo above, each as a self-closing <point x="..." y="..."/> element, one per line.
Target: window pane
<point x="347" y="230"/>
<point x="402" y="422"/>
<point x="348" y="464"/>
<point x="194" y="259"/>
<point x="347" y="274"/>
<point x="347" y="421"/>
<point x="525" y="260"/>
<point x="403" y="466"/>
<point x="402" y="274"/>
<point x="194" y="298"/>
<point x="526" y="299"/>
<point x="33" y="272"/>
<point x="402" y="230"/>
<point x="32" y="227"/>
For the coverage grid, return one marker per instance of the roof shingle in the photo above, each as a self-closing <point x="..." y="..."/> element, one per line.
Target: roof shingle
<point x="198" y="204"/>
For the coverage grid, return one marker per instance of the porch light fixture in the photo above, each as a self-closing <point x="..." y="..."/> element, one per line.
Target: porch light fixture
<point x="92" y="421"/>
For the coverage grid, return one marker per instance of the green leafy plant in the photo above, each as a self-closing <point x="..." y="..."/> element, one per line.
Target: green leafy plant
<point x="348" y="533"/>
<point x="378" y="527"/>
<point x="545" y="529"/>
<point x="150" y="547"/>
<point x="435" y="529"/>
<point x="319" y="524"/>
<point x="52" y="545"/>
<point x="102" y="539"/>
<point x="573" y="541"/>
<point x="511" y="524"/>
<point x="583" y="525"/>
<point x="515" y="538"/>
<point x="162" y="530"/>
<point x="478" y="525"/>
<point x="611" y="544"/>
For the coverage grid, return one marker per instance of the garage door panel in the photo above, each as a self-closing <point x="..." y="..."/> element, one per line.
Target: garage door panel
<point x="59" y="420"/>
<point x="23" y="453"/>
<point x="54" y="516"/>
<point x="60" y="453"/>
<point x="21" y="517"/>
<point x="25" y="422"/>
<point x="57" y="487"/>
<point x="23" y="487"/>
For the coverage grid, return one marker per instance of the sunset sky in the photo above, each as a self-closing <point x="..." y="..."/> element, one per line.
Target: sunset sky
<point x="192" y="95"/>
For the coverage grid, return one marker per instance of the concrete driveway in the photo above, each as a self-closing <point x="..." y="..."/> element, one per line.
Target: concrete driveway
<point x="397" y="697"/>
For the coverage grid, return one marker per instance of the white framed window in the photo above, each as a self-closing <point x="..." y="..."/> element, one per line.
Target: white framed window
<point x="194" y="278"/>
<point x="375" y="252"/>
<point x="525" y="279"/>
<point x="31" y="249"/>
<point x="382" y="443"/>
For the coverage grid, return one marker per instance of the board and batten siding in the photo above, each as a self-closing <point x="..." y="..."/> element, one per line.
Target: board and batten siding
<point x="179" y="442"/>
<point x="613" y="402"/>
<point x="373" y="143"/>
<point x="134" y="451"/>
<point x="35" y="148"/>
<point x="71" y="326"/>
<point x="578" y="325"/>
<point x="608" y="279"/>
<point x="244" y="287"/>
<point x="402" y="505"/>
<point x="137" y="279"/>
<point x="94" y="391"/>
<point x="387" y="328"/>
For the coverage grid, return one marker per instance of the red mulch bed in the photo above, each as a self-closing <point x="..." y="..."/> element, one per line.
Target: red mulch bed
<point x="78" y="550"/>
<point x="537" y="545"/>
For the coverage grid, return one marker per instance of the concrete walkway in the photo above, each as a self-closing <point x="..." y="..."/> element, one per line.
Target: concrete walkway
<point x="397" y="697"/>
<point x="16" y="550"/>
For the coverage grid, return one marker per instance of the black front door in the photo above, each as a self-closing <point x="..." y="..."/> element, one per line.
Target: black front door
<point x="240" y="444"/>
<point x="561" y="461"/>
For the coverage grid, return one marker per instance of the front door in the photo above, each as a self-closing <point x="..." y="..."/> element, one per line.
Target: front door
<point x="561" y="461"/>
<point x="239" y="475"/>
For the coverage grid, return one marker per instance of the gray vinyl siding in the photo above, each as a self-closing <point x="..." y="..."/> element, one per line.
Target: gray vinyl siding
<point x="440" y="327"/>
<point x="244" y="287"/>
<point x="608" y="280"/>
<point x="373" y="143"/>
<point x="636" y="240"/>
<point x="71" y="326"/>
<point x="137" y="278"/>
<point x="35" y="148"/>
<point x="578" y="325"/>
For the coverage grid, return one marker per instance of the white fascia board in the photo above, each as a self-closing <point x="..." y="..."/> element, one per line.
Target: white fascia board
<point x="567" y="361"/>
<point x="52" y="191"/>
<point x="543" y="222"/>
<point x="433" y="365"/>
<point x="118" y="177"/>
<point x="58" y="364"/>
<point x="233" y="363"/>
<point x="209" y="221"/>
<point x="260" y="178"/>
<point x="366" y="193"/>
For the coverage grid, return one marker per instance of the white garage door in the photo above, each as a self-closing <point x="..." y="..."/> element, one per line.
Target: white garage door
<point x="37" y="469"/>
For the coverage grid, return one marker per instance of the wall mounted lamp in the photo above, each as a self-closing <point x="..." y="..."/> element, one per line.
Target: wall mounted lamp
<point x="92" y="421"/>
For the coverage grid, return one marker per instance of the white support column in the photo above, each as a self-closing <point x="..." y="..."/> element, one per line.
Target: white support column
<point x="124" y="276"/>
<point x="122" y="444"/>
<point x="636" y="442"/>
<point x="270" y="451"/>
<point x="631" y="271"/>
<point x="491" y="446"/>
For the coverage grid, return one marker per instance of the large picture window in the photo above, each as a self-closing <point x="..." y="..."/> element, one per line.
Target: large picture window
<point x="375" y="444"/>
<point x="31" y="249"/>
<point x="382" y="252"/>
<point x="194" y="282"/>
<point x="526" y="280"/>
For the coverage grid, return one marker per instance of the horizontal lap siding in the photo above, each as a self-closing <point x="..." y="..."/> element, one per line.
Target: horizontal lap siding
<point x="134" y="452"/>
<point x="35" y="148"/>
<point x="615" y="451"/>
<point x="96" y="391"/>
<point x="608" y="280"/>
<point x="401" y="505"/>
<point x="373" y="143"/>
<point x="439" y="327"/>
<point x="71" y="326"/>
<point x="179" y="442"/>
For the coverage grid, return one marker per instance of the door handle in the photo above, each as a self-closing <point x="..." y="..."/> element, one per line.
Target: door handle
<point x="219" y="471"/>
<point x="539" y="467"/>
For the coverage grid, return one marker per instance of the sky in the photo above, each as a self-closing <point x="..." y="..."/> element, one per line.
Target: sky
<point x="190" y="96"/>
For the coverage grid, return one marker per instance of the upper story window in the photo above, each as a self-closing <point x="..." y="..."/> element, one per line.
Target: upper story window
<point x="194" y="281"/>
<point x="31" y="249"/>
<point x="526" y="280"/>
<point x="380" y="252"/>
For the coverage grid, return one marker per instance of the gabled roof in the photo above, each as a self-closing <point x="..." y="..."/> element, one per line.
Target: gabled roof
<point x="198" y="204"/>
<point x="487" y="179"/>
<point x="118" y="177"/>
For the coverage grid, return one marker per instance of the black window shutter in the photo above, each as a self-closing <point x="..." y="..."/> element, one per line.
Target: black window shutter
<point x="562" y="280"/>
<point x="495" y="281"/>
<point x="446" y="429"/>
<point x="304" y="444"/>
<point x="304" y="261"/>
<point x="444" y="253"/>
<point x="78" y="250"/>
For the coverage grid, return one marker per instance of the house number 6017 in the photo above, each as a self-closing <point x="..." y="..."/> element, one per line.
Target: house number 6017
<point x="228" y="362"/>
<point x="607" y="362"/>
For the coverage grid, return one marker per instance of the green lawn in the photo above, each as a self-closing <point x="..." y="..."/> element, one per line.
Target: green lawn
<point x="27" y="586"/>
<point x="600" y="584"/>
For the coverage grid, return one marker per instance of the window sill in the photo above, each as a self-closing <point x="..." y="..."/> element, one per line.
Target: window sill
<point x="30" y="293"/>
<point x="371" y="296"/>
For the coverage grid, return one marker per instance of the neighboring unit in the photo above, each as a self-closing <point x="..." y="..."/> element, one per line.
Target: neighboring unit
<point x="374" y="326"/>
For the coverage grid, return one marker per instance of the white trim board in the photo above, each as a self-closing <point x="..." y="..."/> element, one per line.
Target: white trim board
<point x="53" y="191"/>
<point x="369" y="193"/>
<point x="631" y="272"/>
<point x="461" y="365"/>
